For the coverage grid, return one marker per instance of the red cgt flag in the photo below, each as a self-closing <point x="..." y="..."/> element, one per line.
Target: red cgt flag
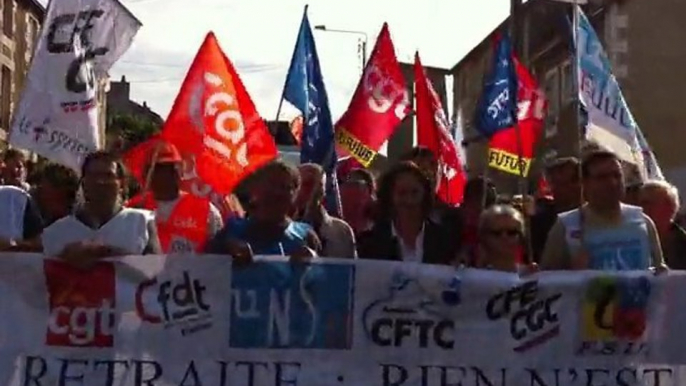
<point x="504" y="147"/>
<point x="214" y="119"/>
<point x="380" y="102"/>
<point x="433" y="133"/>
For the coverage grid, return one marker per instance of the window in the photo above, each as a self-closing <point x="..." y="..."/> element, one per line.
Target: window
<point x="31" y="33"/>
<point x="8" y="17"/>
<point x="5" y="97"/>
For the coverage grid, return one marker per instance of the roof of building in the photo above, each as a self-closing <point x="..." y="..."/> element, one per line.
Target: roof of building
<point x="38" y="6"/>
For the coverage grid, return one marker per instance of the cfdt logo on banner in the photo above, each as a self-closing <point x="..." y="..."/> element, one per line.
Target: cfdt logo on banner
<point x="413" y="316"/>
<point x="82" y="305"/>
<point x="279" y="305"/>
<point x="177" y="302"/>
<point x="531" y="314"/>
<point x="614" y="316"/>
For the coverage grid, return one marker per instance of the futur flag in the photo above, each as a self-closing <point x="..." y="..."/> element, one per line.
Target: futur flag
<point x="380" y="102"/>
<point x="214" y="119"/>
<point x="433" y="133"/>
<point x="506" y="146"/>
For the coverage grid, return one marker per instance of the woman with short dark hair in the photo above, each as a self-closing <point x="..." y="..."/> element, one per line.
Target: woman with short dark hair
<point x="403" y="229"/>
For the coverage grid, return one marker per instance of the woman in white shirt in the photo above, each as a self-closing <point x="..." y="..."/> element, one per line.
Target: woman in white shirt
<point x="101" y="227"/>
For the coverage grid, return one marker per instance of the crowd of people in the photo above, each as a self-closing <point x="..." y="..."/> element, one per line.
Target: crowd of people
<point x="397" y="217"/>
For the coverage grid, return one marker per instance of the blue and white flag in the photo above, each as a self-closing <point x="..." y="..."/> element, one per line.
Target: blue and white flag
<point x="497" y="109"/>
<point x="305" y="90"/>
<point x="610" y="123"/>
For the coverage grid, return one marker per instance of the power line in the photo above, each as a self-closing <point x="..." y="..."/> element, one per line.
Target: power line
<point x="247" y="67"/>
<point x="162" y="80"/>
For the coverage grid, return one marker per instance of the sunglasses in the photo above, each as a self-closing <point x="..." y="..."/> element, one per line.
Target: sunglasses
<point x="503" y="232"/>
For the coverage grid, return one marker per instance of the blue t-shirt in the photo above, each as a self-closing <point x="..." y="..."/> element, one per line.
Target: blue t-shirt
<point x="293" y="238"/>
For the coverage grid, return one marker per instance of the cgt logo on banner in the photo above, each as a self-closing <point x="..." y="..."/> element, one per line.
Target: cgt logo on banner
<point x="531" y="313"/>
<point x="179" y="302"/>
<point x="614" y="316"/>
<point x="82" y="305"/>
<point x="411" y="316"/>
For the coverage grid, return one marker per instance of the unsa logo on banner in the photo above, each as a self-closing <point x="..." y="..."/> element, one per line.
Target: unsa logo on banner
<point x="178" y="302"/>
<point x="412" y="316"/>
<point x="82" y="305"/>
<point x="531" y="314"/>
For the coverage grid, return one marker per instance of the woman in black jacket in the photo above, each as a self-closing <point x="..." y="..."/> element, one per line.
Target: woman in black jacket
<point x="403" y="229"/>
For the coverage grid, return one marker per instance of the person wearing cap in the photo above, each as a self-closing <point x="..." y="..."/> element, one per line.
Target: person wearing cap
<point x="101" y="227"/>
<point x="184" y="221"/>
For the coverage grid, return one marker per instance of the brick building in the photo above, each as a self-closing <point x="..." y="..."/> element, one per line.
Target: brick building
<point x="645" y="58"/>
<point x="119" y="103"/>
<point x="20" y="22"/>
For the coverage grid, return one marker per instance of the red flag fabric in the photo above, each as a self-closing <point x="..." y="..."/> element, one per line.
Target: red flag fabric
<point x="215" y="121"/>
<point x="433" y="132"/>
<point x="380" y="102"/>
<point x="504" y="147"/>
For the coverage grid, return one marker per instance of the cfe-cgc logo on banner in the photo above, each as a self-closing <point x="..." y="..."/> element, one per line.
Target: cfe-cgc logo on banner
<point x="531" y="313"/>
<point x="82" y="305"/>
<point x="179" y="302"/>
<point x="412" y="315"/>
<point x="614" y="316"/>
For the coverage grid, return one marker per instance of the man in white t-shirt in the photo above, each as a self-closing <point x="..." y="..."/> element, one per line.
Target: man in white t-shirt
<point x="101" y="227"/>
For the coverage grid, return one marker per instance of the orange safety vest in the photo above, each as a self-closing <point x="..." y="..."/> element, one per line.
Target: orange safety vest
<point x="186" y="227"/>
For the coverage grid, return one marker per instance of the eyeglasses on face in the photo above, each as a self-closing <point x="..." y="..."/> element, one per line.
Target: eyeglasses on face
<point x="511" y="232"/>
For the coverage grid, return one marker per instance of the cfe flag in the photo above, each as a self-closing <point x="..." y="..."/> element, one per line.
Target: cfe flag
<point x="305" y="90"/>
<point x="380" y="102"/>
<point x="433" y="133"/>
<point x="506" y="146"/>
<point x="215" y="123"/>
<point x="58" y="114"/>
<point x="610" y="123"/>
<point x="497" y="108"/>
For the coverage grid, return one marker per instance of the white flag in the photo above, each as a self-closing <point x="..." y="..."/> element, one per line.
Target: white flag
<point x="57" y="116"/>
<point x="610" y="122"/>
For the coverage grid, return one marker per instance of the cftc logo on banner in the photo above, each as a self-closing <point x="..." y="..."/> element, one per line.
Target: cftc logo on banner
<point x="410" y="315"/>
<point x="82" y="305"/>
<point x="614" y="316"/>
<point x="178" y="302"/>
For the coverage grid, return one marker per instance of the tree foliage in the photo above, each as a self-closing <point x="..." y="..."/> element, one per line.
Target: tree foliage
<point x="132" y="129"/>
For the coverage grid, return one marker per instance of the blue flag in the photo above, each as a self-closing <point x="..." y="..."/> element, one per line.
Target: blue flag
<point x="497" y="109"/>
<point x="305" y="90"/>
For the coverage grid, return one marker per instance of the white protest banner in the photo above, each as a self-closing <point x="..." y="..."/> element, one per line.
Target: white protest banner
<point x="193" y="320"/>
<point x="610" y="122"/>
<point x="57" y="116"/>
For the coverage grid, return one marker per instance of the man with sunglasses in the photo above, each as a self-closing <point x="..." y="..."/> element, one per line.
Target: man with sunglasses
<point x="604" y="234"/>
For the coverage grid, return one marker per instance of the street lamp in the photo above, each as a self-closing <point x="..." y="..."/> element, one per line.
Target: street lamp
<point x="322" y="27"/>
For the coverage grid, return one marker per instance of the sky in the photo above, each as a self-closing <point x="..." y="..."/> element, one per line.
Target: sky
<point x="259" y="36"/>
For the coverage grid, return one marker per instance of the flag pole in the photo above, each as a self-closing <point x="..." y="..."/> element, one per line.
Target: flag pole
<point x="579" y="120"/>
<point x="522" y="181"/>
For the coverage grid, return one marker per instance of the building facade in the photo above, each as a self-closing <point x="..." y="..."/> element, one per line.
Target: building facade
<point x="20" y="22"/>
<point x="644" y="57"/>
<point x="404" y="137"/>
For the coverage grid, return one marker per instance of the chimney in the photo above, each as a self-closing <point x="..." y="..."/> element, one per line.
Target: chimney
<point x="145" y="104"/>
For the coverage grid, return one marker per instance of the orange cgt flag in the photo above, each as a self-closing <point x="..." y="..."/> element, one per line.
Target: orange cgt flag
<point x="433" y="132"/>
<point x="214" y="119"/>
